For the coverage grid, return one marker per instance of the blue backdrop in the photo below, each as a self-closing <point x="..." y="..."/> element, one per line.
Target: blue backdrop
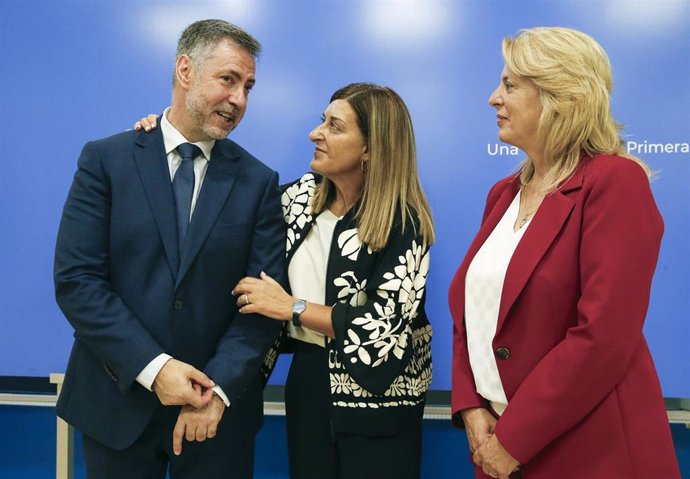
<point x="79" y="70"/>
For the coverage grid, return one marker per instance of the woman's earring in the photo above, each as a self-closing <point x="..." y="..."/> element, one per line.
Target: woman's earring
<point x="363" y="164"/>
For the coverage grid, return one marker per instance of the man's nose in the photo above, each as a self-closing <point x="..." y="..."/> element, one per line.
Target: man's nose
<point x="238" y="97"/>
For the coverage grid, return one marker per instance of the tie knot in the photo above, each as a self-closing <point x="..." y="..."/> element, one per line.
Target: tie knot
<point x="188" y="151"/>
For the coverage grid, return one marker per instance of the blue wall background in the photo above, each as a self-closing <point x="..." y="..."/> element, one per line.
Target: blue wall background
<point x="76" y="70"/>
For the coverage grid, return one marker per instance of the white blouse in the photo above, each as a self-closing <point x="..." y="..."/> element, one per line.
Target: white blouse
<point x="483" y="288"/>
<point x="307" y="271"/>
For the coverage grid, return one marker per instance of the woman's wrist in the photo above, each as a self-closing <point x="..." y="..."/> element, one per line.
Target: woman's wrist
<point x="290" y="308"/>
<point x="465" y="413"/>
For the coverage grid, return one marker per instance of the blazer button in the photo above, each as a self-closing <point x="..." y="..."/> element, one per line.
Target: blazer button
<point x="503" y="353"/>
<point x="178" y="305"/>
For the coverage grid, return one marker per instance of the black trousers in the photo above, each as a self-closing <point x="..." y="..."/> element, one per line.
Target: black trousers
<point x="316" y="450"/>
<point x="229" y="455"/>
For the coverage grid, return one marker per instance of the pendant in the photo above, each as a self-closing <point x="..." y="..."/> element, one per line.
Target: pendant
<point x="523" y="222"/>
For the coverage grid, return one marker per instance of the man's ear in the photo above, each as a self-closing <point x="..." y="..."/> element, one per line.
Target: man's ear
<point x="184" y="71"/>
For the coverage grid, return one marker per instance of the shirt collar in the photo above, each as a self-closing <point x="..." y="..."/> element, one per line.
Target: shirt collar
<point x="173" y="138"/>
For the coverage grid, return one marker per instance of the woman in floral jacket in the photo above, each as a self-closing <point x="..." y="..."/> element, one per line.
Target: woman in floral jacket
<point x="358" y="236"/>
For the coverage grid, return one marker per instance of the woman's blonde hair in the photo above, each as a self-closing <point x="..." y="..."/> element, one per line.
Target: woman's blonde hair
<point x="574" y="78"/>
<point x="391" y="180"/>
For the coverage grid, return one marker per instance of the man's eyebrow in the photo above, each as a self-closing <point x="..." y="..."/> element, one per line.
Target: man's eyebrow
<point x="231" y="72"/>
<point x="234" y="73"/>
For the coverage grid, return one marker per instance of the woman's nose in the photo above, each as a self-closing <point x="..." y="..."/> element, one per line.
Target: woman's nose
<point x="315" y="134"/>
<point x="495" y="98"/>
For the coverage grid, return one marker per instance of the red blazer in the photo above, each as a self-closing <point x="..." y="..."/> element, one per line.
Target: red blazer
<point x="584" y="397"/>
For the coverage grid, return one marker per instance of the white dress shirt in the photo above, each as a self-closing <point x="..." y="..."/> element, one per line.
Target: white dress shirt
<point x="172" y="139"/>
<point x="483" y="289"/>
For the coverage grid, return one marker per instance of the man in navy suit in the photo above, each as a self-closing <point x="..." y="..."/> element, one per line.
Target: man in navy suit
<point x="164" y="371"/>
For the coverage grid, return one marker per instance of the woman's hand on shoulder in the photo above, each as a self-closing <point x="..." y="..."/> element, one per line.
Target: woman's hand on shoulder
<point x="147" y="123"/>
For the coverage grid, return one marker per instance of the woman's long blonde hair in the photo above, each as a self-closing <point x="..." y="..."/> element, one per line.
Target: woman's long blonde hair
<point x="574" y="78"/>
<point x="391" y="180"/>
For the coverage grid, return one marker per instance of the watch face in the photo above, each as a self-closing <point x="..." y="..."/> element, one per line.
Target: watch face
<point x="299" y="306"/>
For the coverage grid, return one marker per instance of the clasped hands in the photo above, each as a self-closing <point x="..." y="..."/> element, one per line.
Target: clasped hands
<point x="181" y="384"/>
<point x="487" y="451"/>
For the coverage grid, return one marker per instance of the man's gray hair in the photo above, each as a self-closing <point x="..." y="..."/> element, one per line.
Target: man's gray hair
<point x="200" y="38"/>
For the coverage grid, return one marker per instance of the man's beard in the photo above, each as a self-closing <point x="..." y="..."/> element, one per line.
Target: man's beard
<point x="194" y="104"/>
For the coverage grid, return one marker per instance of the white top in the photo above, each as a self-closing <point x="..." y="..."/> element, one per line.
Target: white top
<point x="483" y="289"/>
<point x="307" y="271"/>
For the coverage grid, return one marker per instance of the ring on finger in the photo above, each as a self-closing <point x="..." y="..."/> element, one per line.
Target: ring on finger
<point x="246" y="299"/>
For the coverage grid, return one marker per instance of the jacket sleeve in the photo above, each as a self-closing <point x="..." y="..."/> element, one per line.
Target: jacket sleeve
<point x="241" y="351"/>
<point x="83" y="291"/>
<point x="373" y="332"/>
<point x="463" y="389"/>
<point x="619" y="246"/>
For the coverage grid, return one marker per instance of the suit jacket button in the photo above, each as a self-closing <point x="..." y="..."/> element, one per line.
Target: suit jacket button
<point x="178" y="305"/>
<point x="503" y="353"/>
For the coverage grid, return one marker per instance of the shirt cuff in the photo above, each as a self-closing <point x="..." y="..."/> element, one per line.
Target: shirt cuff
<point x="221" y="395"/>
<point x="149" y="373"/>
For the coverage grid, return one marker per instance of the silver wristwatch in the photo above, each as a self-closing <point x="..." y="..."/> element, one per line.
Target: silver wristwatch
<point x="298" y="308"/>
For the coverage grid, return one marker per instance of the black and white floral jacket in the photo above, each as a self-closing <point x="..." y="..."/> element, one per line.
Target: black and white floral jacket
<point x="380" y="360"/>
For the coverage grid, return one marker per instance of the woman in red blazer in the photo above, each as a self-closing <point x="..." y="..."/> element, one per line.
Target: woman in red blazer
<point x="552" y="376"/>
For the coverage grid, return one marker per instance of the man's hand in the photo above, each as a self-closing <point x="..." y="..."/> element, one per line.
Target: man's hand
<point x="479" y="426"/>
<point x="197" y="424"/>
<point x="175" y="385"/>
<point x="494" y="460"/>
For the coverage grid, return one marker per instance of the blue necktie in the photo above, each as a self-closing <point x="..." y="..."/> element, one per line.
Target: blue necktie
<point x="183" y="188"/>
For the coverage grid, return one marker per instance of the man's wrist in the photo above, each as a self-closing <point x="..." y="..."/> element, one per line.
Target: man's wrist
<point x="221" y="395"/>
<point x="147" y="377"/>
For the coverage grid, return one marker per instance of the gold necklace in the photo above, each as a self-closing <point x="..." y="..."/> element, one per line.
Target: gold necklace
<point x="523" y="222"/>
<point x="525" y="215"/>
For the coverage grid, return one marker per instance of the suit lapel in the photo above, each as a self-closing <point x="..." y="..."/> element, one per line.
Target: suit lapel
<point x="220" y="177"/>
<point x="155" y="176"/>
<point x="541" y="233"/>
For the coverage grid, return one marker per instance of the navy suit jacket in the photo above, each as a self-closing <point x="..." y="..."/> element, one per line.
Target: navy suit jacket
<point x="130" y="296"/>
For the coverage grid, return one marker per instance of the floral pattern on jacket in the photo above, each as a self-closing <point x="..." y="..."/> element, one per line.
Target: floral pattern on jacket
<point x="381" y="356"/>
